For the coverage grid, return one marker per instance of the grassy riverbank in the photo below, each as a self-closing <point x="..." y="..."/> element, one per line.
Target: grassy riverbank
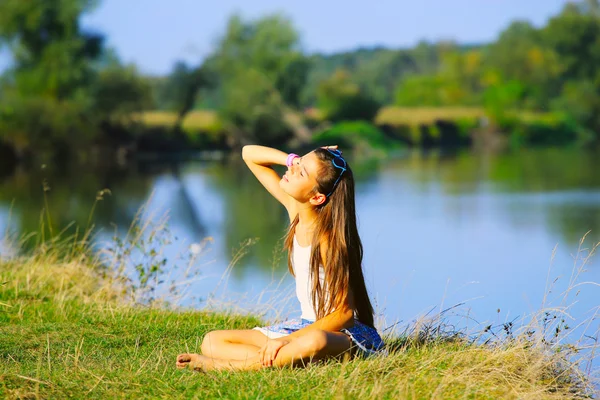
<point x="66" y="331"/>
<point x="416" y="126"/>
<point x="207" y="120"/>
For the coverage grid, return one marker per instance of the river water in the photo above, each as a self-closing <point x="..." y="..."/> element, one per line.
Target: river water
<point x="484" y="235"/>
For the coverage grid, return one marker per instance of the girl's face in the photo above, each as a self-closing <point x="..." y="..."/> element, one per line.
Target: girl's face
<point x="300" y="180"/>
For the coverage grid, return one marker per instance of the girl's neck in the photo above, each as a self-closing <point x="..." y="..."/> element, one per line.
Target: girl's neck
<point x="305" y="228"/>
<point x="306" y="217"/>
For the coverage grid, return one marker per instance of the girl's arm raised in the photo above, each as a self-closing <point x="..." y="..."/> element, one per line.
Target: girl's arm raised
<point x="259" y="159"/>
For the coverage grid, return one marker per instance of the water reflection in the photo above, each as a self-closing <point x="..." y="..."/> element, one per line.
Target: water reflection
<point x="426" y="219"/>
<point x="560" y="186"/>
<point x="56" y="198"/>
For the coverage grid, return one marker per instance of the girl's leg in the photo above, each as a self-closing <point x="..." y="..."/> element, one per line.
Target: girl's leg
<point x="315" y="345"/>
<point x="229" y="345"/>
<point x="233" y="344"/>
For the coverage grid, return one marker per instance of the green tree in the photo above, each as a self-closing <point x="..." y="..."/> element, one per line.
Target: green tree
<point x="581" y="101"/>
<point x="501" y="97"/>
<point x="173" y="91"/>
<point x="380" y="75"/>
<point x="253" y="109"/>
<point x="575" y="36"/>
<point x="261" y="73"/>
<point x="52" y="68"/>
<point x="521" y="55"/>
<point x="119" y="92"/>
<point x="51" y="51"/>
<point x="430" y="90"/>
<point x="64" y="90"/>
<point x="340" y="99"/>
<point x="376" y="70"/>
<point x="456" y="80"/>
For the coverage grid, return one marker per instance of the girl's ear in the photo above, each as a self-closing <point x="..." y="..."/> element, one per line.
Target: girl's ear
<point x="317" y="199"/>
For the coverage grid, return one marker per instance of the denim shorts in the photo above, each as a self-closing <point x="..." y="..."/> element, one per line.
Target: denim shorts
<point x="365" y="340"/>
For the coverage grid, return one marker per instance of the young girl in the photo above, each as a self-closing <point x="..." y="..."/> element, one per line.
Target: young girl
<point x="325" y="257"/>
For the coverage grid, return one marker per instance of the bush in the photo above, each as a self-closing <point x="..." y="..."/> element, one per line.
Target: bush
<point x="440" y="132"/>
<point x="581" y="101"/>
<point x="354" y="134"/>
<point x="552" y="130"/>
<point x="342" y="100"/>
<point x="44" y="123"/>
<point x="119" y="92"/>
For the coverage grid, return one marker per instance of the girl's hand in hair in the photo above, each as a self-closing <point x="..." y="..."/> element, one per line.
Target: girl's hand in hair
<point x="269" y="351"/>
<point x="334" y="147"/>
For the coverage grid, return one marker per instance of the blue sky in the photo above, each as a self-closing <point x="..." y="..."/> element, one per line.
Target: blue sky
<point x="155" y="33"/>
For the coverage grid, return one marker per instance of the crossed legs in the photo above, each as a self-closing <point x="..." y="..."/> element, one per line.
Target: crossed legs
<point x="238" y="350"/>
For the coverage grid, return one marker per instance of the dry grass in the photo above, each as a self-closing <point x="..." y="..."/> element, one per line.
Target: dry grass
<point x="414" y="116"/>
<point x="197" y="120"/>
<point x="208" y="121"/>
<point x="393" y="115"/>
<point x="70" y="328"/>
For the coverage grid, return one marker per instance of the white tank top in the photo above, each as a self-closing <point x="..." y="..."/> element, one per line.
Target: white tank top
<point x="301" y="266"/>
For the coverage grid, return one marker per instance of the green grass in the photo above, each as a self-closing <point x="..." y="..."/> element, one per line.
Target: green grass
<point x="357" y="134"/>
<point x="67" y="332"/>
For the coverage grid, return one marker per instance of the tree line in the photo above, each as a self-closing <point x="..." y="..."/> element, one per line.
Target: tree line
<point x="67" y="90"/>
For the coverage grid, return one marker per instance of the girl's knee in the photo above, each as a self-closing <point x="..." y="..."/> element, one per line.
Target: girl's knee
<point x="209" y="340"/>
<point x="316" y="341"/>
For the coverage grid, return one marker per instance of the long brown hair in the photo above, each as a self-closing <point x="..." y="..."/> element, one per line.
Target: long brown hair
<point x="335" y="226"/>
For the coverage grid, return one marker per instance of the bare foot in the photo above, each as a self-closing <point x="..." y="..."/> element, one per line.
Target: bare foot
<point x="200" y="363"/>
<point x="187" y="360"/>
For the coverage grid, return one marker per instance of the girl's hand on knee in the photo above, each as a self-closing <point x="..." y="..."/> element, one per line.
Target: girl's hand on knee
<point x="269" y="351"/>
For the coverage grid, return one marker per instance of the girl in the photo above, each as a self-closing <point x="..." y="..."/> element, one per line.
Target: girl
<point x="325" y="257"/>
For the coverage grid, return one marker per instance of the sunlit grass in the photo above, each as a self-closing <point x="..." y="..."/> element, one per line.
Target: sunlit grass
<point x="70" y="327"/>
<point x="197" y="120"/>
<point x="70" y="340"/>
<point x="208" y="121"/>
<point x="393" y="115"/>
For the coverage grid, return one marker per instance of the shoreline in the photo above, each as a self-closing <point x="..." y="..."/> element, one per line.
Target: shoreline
<point x="416" y="128"/>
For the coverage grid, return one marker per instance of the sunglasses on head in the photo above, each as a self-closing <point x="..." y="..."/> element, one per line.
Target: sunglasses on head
<point x="338" y="162"/>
